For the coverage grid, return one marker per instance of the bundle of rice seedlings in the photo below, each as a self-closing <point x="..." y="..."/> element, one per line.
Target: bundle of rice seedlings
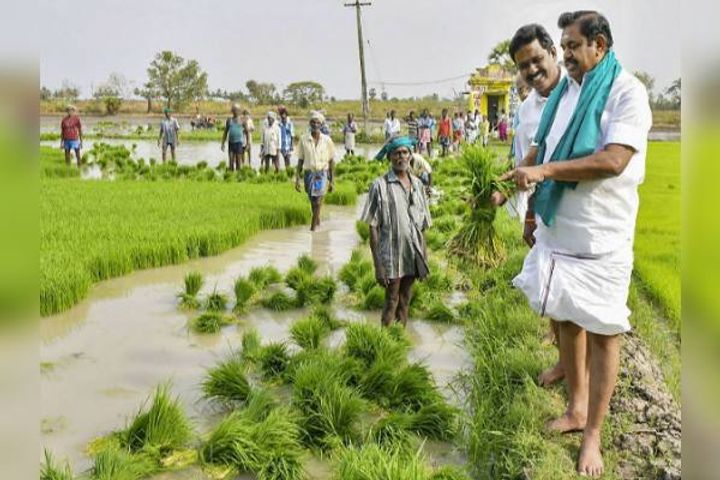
<point x="226" y="382"/>
<point x="282" y="466"/>
<point x="162" y="427"/>
<point x="114" y="463"/>
<point x="363" y="230"/>
<point x="435" y="420"/>
<point x="374" y="299"/>
<point x="366" y="283"/>
<point x="355" y="269"/>
<point x="439" y="312"/>
<point x="378" y="380"/>
<point x="216" y="302"/>
<point x="477" y="240"/>
<point x="438" y="280"/>
<point x="295" y="276"/>
<point x="279" y="302"/>
<point x="274" y="359"/>
<point x="445" y="224"/>
<point x="260" y="402"/>
<point x="450" y="472"/>
<point x="307" y="264"/>
<point x="309" y="332"/>
<point x="251" y="345"/>
<point x="331" y="409"/>
<point x="244" y="290"/>
<point x="193" y="284"/>
<point x="413" y="387"/>
<point x="209" y="322"/>
<point x="435" y="239"/>
<point x="420" y="298"/>
<point x="325" y="315"/>
<point x="313" y="290"/>
<point x="370" y="343"/>
<point x="264" y="276"/>
<point x="232" y="443"/>
<point x="278" y="434"/>
<point x="52" y="471"/>
<point x="372" y="462"/>
<point x="329" y="365"/>
<point x="393" y="431"/>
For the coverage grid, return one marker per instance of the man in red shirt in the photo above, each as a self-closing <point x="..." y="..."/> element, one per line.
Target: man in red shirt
<point x="71" y="134"/>
<point x="444" y="131"/>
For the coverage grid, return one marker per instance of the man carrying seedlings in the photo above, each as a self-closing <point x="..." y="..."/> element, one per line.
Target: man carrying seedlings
<point x="234" y="133"/>
<point x="71" y="135"/>
<point x="587" y="162"/>
<point x="397" y="213"/>
<point x="316" y="152"/>
<point x="169" y="134"/>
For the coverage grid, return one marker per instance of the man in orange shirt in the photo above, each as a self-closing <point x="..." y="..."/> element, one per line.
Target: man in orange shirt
<point x="444" y="132"/>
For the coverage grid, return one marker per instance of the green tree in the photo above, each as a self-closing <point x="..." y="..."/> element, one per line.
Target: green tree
<point x="304" y="93"/>
<point x="261" y="93"/>
<point x="148" y="93"/>
<point x="673" y="91"/>
<point x="45" y="93"/>
<point x="112" y="92"/>
<point x="68" y="91"/>
<point x="176" y="80"/>
<point x="500" y="55"/>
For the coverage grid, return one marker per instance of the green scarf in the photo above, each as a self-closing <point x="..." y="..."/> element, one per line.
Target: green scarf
<point x="582" y="134"/>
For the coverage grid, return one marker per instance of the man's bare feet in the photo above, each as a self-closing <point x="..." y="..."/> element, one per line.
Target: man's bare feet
<point x="590" y="461"/>
<point x="551" y="375"/>
<point x="569" y="422"/>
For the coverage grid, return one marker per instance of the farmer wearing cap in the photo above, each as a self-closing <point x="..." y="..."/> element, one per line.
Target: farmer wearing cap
<point x="397" y="212"/>
<point x="270" y="145"/>
<point x="234" y="133"/>
<point x="169" y="134"/>
<point x="315" y="164"/>
<point x="71" y="135"/>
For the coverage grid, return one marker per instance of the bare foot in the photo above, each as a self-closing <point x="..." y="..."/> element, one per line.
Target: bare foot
<point x="569" y="422"/>
<point x="551" y="375"/>
<point x="590" y="461"/>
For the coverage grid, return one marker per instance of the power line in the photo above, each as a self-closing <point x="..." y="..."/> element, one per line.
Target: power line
<point x="431" y="82"/>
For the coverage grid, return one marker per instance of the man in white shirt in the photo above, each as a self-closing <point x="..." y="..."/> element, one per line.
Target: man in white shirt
<point x="578" y="272"/>
<point x="391" y="127"/>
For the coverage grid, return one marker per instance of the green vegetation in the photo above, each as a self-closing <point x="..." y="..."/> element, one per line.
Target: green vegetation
<point x="309" y="332"/>
<point x="52" y="471"/>
<point x="209" y="322"/>
<point x="193" y="284"/>
<point x="227" y="382"/>
<point x="244" y="290"/>
<point x="216" y="302"/>
<point x="274" y="359"/>
<point x="264" y="276"/>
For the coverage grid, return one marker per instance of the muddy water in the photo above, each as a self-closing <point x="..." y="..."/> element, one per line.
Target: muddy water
<point x="103" y="358"/>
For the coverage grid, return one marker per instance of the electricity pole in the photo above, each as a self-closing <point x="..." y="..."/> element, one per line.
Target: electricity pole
<point x="365" y="105"/>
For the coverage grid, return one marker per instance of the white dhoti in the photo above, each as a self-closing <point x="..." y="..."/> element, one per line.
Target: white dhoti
<point x="590" y="291"/>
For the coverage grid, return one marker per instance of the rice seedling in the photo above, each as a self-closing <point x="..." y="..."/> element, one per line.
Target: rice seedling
<point x="295" y="276"/>
<point x="231" y="443"/>
<point x="260" y="402"/>
<point x="412" y="387"/>
<point x="264" y="276"/>
<point x="216" y="302"/>
<point x="372" y="462"/>
<point x="435" y="420"/>
<point x="378" y="380"/>
<point x="273" y="359"/>
<point x="209" y="322"/>
<point x="113" y="463"/>
<point x="393" y="432"/>
<point x="450" y="472"/>
<point x="244" y="291"/>
<point x="313" y="290"/>
<point x="250" y="345"/>
<point x="435" y="239"/>
<point x="343" y="194"/>
<point x="441" y="313"/>
<point x="188" y="302"/>
<point x="226" y="382"/>
<point x="307" y="264"/>
<point x="279" y="302"/>
<point x="163" y="427"/>
<point x="285" y="466"/>
<point x="445" y="224"/>
<point x="326" y="316"/>
<point x="370" y="343"/>
<point x="355" y="269"/>
<point x="374" y="299"/>
<point x="193" y="283"/>
<point x="477" y="240"/>
<point x="52" y="471"/>
<point x="363" y="230"/>
<point x="366" y="283"/>
<point x="309" y="332"/>
<point x="438" y="280"/>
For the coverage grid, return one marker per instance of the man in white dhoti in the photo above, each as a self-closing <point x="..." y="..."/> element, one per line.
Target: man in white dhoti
<point x="587" y="165"/>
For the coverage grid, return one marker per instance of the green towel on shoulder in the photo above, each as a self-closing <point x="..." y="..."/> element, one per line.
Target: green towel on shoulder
<point x="582" y="134"/>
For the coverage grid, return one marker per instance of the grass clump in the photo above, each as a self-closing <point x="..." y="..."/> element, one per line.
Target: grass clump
<point x="162" y="428"/>
<point x="363" y="230"/>
<point x="374" y="299"/>
<point x="113" y="463"/>
<point x="244" y="291"/>
<point x="251" y="345"/>
<point x="216" y="302"/>
<point x="279" y="302"/>
<point x="436" y="420"/>
<point x="52" y="471"/>
<point x="439" y="312"/>
<point x="264" y="276"/>
<point x="307" y="264"/>
<point x="308" y="333"/>
<point x="355" y="269"/>
<point x="226" y="382"/>
<point x="372" y="462"/>
<point x="449" y="472"/>
<point x="315" y="290"/>
<point x="193" y="283"/>
<point x="208" y="322"/>
<point x="393" y="432"/>
<point x="370" y="343"/>
<point x="295" y="276"/>
<point x="326" y="316"/>
<point x="274" y="360"/>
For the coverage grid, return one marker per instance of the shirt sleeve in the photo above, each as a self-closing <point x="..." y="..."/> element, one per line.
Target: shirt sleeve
<point x="331" y="149"/>
<point x="426" y="210"/>
<point x="373" y="204"/>
<point x="300" y="150"/>
<point x="630" y="119"/>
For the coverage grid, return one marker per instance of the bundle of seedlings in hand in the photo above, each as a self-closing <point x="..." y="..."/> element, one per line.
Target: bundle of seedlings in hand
<point x="193" y="284"/>
<point x="477" y="240"/>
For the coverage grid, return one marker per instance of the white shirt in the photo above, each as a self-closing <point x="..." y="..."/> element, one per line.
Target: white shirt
<point x="271" y="139"/>
<point x="316" y="157"/>
<point x="392" y="126"/>
<point x="598" y="216"/>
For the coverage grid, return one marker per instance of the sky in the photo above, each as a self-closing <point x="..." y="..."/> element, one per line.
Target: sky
<point x="412" y="47"/>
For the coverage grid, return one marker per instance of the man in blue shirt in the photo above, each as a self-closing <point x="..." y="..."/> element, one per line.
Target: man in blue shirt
<point x="234" y="133"/>
<point x="287" y="132"/>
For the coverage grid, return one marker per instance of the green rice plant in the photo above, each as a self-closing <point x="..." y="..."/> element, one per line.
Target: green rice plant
<point x="441" y="313"/>
<point x="295" y="276"/>
<point x="113" y="463"/>
<point x="477" y="240"/>
<point x="282" y="466"/>
<point x="363" y="230"/>
<point x="413" y="387"/>
<point x="279" y="302"/>
<point x="392" y="432"/>
<point x="260" y="402"/>
<point x="226" y="382"/>
<point x="436" y="420"/>
<point x="450" y="472"/>
<point x="445" y="224"/>
<point x="216" y="302"/>
<point x="193" y="283"/>
<point x="374" y="299"/>
<point x="278" y="434"/>
<point x="189" y="302"/>
<point x="231" y="443"/>
<point x="244" y="291"/>
<point x="274" y="360"/>
<point x="378" y="380"/>
<point x="264" y="276"/>
<point x="436" y="240"/>
<point x="420" y="298"/>
<point x="372" y="462"/>
<point x="438" y="280"/>
<point x="251" y="345"/>
<point x="52" y="471"/>
<point x="355" y="269"/>
<point x="163" y="427"/>
<point x="312" y="290"/>
<point x="371" y="343"/>
<point x="309" y="332"/>
<point x="307" y="264"/>
<point x="328" y="365"/>
<point x="209" y="322"/>
<point x="366" y="283"/>
<point x="344" y="193"/>
<point x="326" y="316"/>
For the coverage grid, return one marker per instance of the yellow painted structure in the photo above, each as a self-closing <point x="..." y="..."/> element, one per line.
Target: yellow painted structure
<point x="490" y="91"/>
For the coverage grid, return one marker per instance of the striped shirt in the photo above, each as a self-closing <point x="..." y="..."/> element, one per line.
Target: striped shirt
<point x="400" y="216"/>
<point x="412" y="126"/>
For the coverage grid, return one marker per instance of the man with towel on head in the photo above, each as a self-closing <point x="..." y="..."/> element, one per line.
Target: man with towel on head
<point x="586" y="164"/>
<point x="316" y="152"/>
<point x="397" y="212"/>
